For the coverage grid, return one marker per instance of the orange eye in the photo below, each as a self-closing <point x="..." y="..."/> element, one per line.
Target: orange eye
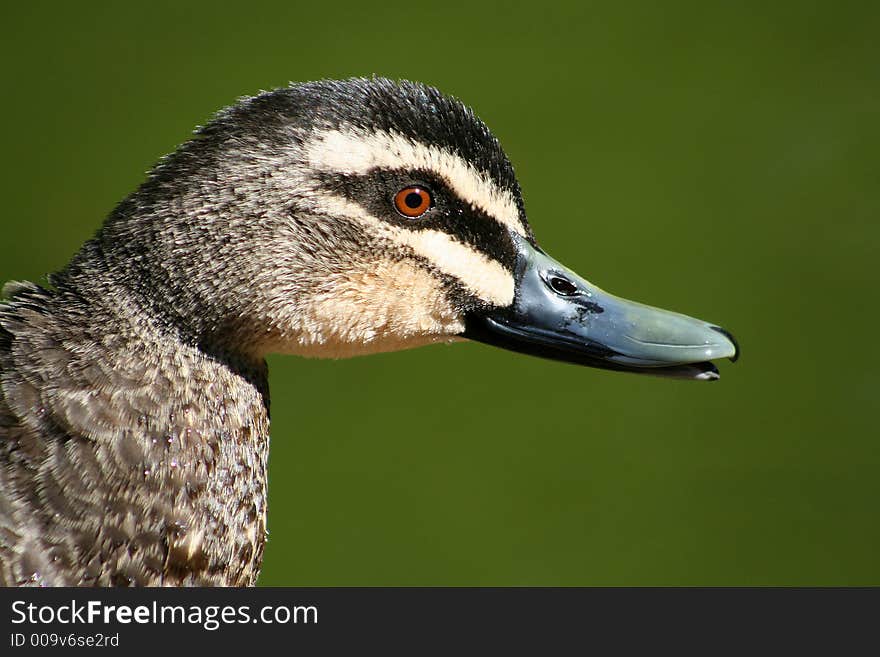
<point x="413" y="202"/>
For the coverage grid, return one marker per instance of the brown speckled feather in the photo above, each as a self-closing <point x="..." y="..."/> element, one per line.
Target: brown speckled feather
<point x="125" y="458"/>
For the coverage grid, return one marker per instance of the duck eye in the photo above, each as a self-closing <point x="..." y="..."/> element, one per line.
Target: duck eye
<point x="562" y="286"/>
<point x="413" y="202"/>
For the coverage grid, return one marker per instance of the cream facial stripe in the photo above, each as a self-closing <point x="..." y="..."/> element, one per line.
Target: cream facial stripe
<point x="483" y="277"/>
<point x="357" y="152"/>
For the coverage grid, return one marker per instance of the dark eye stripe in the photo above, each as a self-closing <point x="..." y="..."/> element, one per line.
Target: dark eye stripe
<point x="376" y="191"/>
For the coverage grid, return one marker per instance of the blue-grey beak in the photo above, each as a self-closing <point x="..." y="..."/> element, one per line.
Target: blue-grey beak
<point x="557" y="314"/>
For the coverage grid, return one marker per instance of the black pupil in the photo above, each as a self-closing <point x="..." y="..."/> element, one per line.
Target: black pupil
<point x="413" y="200"/>
<point x="562" y="285"/>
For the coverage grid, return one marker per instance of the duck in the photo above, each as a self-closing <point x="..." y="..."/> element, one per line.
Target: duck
<point x="325" y="219"/>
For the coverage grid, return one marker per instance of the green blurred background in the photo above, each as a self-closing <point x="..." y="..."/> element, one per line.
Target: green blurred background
<point x="720" y="159"/>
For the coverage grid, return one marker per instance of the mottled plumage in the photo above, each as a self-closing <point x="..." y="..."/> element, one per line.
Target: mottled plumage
<point x="127" y="457"/>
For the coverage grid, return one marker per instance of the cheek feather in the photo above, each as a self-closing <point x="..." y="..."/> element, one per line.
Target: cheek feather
<point x="387" y="306"/>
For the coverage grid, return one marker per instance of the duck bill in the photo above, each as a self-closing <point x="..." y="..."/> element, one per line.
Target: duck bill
<point x="557" y="314"/>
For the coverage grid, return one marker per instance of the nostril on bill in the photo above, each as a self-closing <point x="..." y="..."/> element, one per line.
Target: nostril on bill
<point x="562" y="286"/>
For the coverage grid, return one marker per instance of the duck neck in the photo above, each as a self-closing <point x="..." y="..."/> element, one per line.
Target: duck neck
<point x="128" y="292"/>
<point x="187" y="427"/>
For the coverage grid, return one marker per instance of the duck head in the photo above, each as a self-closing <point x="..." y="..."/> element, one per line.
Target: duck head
<point x="340" y="218"/>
